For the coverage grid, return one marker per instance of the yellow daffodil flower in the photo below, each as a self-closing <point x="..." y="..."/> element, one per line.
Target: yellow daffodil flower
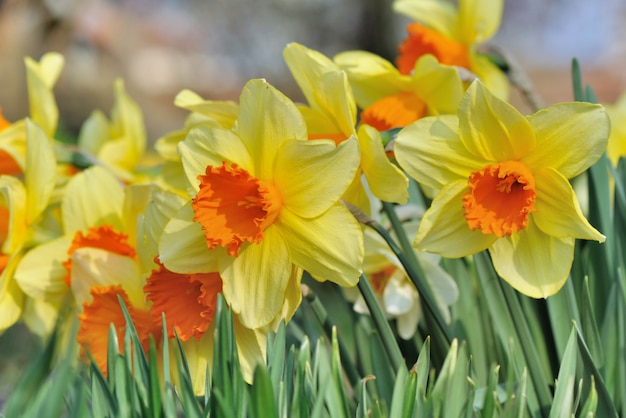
<point x="331" y="114"/>
<point x="40" y="79"/>
<point x="22" y="206"/>
<point x="264" y="207"/>
<point x="617" y="141"/>
<point x="118" y="144"/>
<point x="452" y="35"/>
<point x="502" y="184"/>
<point x="390" y="99"/>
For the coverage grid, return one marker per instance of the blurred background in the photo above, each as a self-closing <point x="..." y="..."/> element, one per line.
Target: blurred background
<point x="214" y="46"/>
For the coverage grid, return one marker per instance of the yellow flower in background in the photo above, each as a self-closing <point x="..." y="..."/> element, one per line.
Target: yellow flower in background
<point x="452" y="34"/>
<point x="390" y="99"/>
<point x="265" y="206"/>
<point x="393" y="288"/>
<point x="40" y="79"/>
<point x="331" y="114"/>
<point x="23" y="206"/>
<point x="617" y="140"/>
<point x="502" y="181"/>
<point x="118" y="144"/>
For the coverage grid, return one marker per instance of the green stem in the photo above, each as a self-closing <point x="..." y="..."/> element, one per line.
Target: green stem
<point x="386" y="334"/>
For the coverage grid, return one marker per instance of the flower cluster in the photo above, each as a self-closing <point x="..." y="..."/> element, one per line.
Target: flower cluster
<point x="249" y="195"/>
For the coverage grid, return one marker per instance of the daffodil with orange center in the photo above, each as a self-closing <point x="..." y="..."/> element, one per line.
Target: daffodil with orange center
<point x="390" y="99"/>
<point x="452" y="35"/>
<point x="265" y="205"/>
<point x="331" y="114"/>
<point x="502" y="184"/>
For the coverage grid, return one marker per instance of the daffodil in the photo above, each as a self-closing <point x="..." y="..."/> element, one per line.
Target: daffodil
<point x="264" y="205"/>
<point x="452" y="34"/>
<point x="617" y="140"/>
<point x="389" y="99"/>
<point x="331" y="114"/>
<point x="393" y="288"/>
<point x="23" y="205"/>
<point x="119" y="143"/>
<point x="502" y="181"/>
<point x="40" y="79"/>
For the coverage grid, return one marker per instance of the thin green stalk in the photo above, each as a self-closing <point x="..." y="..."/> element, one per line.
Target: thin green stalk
<point x="386" y="334"/>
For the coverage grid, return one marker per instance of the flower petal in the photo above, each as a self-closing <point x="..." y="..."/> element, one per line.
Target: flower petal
<point x="11" y="295"/>
<point x="570" y="137"/>
<point x="330" y="246"/>
<point x="251" y="348"/>
<point x="386" y="181"/>
<point x="40" y="173"/>
<point x="438" y="85"/>
<point x="255" y="282"/>
<point x="40" y="78"/>
<point x="13" y="202"/>
<point x="479" y="20"/>
<point x="431" y="152"/>
<point x="491" y="76"/>
<point x="222" y="112"/>
<point x="443" y="229"/>
<point x="491" y="128"/>
<point x="533" y="262"/>
<point x="439" y="15"/>
<point x="267" y="119"/>
<point x="312" y="175"/>
<point x="92" y="198"/>
<point x="211" y="146"/>
<point x="183" y="247"/>
<point x="558" y="212"/>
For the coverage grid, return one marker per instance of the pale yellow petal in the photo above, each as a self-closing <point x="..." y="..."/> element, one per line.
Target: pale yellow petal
<point x="41" y="316"/>
<point x="41" y="273"/>
<point x="163" y="207"/>
<point x="431" y="152"/>
<point x="558" y="212"/>
<point x="254" y="283"/>
<point x="479" y="20"/>
<point x="11" y="295"/>
<point x="136" y="200"/>
<point x="267" y="118"/>
<point x="251" y="348"/>
<point x="617" y="140"/>
<point x="211" y="147"/>
<point x="13" y="197"/>
<point x="40" y="79"/>
<point x="438" y="85"/>
<point x="440" y="15"/>
<point x="570" y="137"/>
<point x="199" y="355"/>
<point x="312" y="175"/>
<point x="386" y="181"/>
<point x="371" y="77"/>
<point x="493" y="129"/>
<point x="223" y="112"/>
<point x="329" y="247"/>
<point x="293" y="298"/>
<point x="443" y="229"/>
<point x="534" y="263"/>
<point x="40" y="174"/>
<point x="491" y="76"/>
<point x="183" y="247"/>
<point x="92" y="198"/>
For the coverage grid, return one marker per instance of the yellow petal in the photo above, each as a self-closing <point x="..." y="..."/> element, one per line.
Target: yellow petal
<point x="223" y="112"/>
<point x="329" y="247"/>
<point x="534" y="263"/>
<point x="293" y="298"/>
<point x="438" y="85"/>
<point x="199" y="355"/>
<point x="93" y="197"/>
<point x="40" y="78"/>
<point x="267" y="119"/>
<point x="439" y="15"/>
<point x="558" y="212"/>
<point x="254" y="283"/>
<point x="211" y="146"/>
<point x="183" y="248"/>
<point x="13" y="142"/>
<point x="251" y="348"/>
<point x="312" y="175"/>
<point x="490" y="75"/>
<point x="431" y="152"/>
<point x="163" y="207"/>
<point x="41" y="273"/>
<point x="41" y="316"/>
<point x="617" y="141"/>
<point x="13" y="198"/>
<point x="570" y="137"/>
<point x="493" y="129"/>
<point x="443" y="229"/>
<point x="371" y="77"/>
<point x="136" y="200"/>
<point x="11" y="295"/>
<point x="40" y="173"/>
<point x="479" y="20"/>
<point x="386" y="181"/>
